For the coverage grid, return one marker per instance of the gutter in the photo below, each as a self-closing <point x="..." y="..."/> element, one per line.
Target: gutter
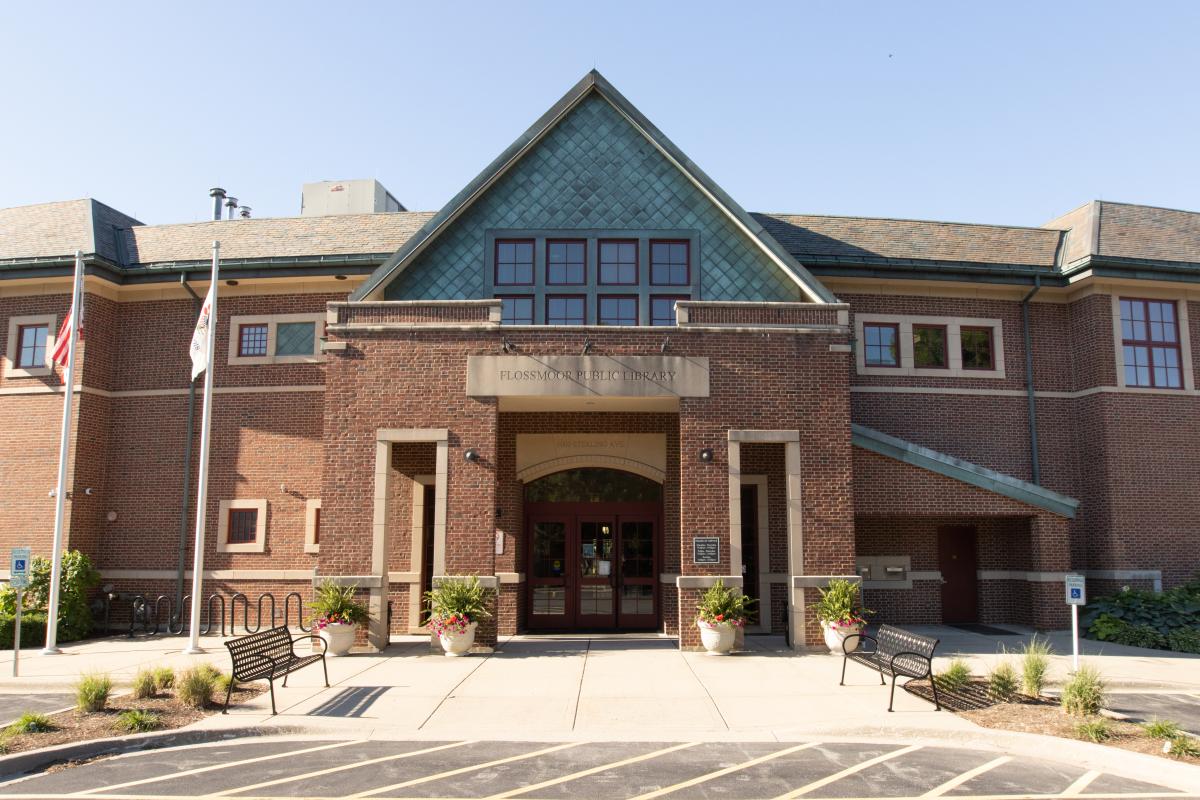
<point x="1033" y="431"/>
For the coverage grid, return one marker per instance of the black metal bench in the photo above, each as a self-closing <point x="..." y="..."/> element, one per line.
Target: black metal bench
<point x="896" y="652"/>
<point x="268" y="655"/>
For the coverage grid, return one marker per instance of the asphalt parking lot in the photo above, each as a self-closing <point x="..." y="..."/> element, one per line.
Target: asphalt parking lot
<point x="307" y="768"/>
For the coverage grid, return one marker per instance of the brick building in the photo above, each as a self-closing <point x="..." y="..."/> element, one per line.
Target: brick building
<point x="596" y="382"/>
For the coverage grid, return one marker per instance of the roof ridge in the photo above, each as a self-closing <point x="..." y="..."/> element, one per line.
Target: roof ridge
<point x="278" y="219"/>
<point x="778" y="214"/>
<point x="1144" y="205"/>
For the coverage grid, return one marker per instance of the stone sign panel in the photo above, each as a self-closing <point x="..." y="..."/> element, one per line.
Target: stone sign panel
<point x="587" y="376"/>
<point x="706" y="550"/>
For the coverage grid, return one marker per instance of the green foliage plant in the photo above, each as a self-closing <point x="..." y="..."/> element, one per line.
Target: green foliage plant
<point x="1161" y="728"/>
<point x="456" y="603"/>
<point x="1002" y="682"/>
<point x="194" y="686"/>
<point x="136" y="720"/>
<point x="164" y="678"/>
<point x="144" y="684"/>
<point x="30" y="723"/>
<point x="92" y="691"/>
<point x="1035" y="663"/>
<point x="723" y="605"/>
<point x="334" y="605"/>
<point x="1083" y="694"/>
<point x="840" y="605"/>
<point x="1182" y="746"/>
<point x="1185" y="640"/>
<point x="1142" y="618"/>
<point x="955" y="677"/>
<point x="1094" y="730"/>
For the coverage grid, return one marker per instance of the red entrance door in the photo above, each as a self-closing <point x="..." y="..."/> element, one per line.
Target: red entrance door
<point x="592" y="566"/>
<point x="960" y="581"/>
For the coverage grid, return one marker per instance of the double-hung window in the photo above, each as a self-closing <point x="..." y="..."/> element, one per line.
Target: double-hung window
<point x="1150" y="344"/>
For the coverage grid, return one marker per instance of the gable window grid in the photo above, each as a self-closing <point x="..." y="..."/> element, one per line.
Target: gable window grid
<point x="931" y="347"/>
<point x="516" y="309"/>
<point x="252" y="340"/>
<point x="566" y="262"/>
<point x="662" y="308"/>
<point x="619" y="309"/>
<point x="978" y="348"/>
<point x="243" y="526"/>
<point x="882" y="343"/>
<point x="514" y="262"/>
<point x="619" y="262"/>
<point x="1150" y="343"/>
<point x="566" y="309"/>
<point x="670" y="262"/>
<point x="295" y="338"/>
<point x="31" y="345"/>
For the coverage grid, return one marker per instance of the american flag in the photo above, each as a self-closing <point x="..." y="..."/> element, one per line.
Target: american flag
<point x="62" y="344"/>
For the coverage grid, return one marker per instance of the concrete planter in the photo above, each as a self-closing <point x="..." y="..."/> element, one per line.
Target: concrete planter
<point x="455" y="644"/>
<point x="835" y="636"/>
<point x="338" y="638"/>
<point x="717" y="638"/>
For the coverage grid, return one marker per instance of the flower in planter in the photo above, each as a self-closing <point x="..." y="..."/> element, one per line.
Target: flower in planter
<point x="722" y="605"/>
<point x="455" y="604"/>
<point x="840" y="606"/>
<point x="335" y="605"/>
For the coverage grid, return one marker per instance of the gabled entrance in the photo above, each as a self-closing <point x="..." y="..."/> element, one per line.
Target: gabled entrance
<point x="594" y="538"/>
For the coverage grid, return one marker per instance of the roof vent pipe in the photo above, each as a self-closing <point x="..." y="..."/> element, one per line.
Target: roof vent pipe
<point x="231" y="204"/>
<point x="245" y="212"/>
<point x="217" y="194"/>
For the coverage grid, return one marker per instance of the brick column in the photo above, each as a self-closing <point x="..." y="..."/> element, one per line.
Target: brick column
<point x="1049" y="552"/>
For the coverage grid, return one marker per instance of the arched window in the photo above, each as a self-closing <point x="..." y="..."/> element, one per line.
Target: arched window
<point x="593" y="485"/>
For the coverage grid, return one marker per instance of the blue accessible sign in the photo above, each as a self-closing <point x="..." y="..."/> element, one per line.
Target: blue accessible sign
<point x="18" y="572"/>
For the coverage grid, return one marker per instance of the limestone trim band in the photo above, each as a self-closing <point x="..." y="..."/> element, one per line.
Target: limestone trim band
<point x="820" y="581"/>
<point x="707" y="581"/>
<point x="209" y="574"/>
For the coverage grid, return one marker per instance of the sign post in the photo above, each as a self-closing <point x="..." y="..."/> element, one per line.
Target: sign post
<point x="1076" y="597"/>
<point x="18" y="573"/>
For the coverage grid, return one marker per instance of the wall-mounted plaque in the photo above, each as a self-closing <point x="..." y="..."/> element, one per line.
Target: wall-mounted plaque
<point x="706" y="550"/>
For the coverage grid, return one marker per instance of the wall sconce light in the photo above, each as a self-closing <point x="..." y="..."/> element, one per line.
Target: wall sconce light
<point x="471" y="455"/>
<point x="706" y="455"/>
<point x="507" y="346"/>
<point x="587" y="346"/>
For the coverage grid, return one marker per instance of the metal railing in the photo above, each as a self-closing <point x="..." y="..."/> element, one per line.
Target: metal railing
<point x="158" y="615"/>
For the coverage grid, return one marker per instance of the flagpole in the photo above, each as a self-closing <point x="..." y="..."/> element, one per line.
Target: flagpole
<point x="205" y="435"/>
<point x="64" y="448"/>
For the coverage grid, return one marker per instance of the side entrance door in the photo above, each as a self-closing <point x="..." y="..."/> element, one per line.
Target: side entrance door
<point x="959" y="567"/>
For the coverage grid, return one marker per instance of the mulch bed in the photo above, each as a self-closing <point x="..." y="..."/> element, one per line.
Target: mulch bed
<point x="1034" y="715"/>
<point x="75" y="726"/>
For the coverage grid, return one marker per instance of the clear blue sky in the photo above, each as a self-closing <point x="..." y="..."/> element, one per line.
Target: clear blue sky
<point x="1000" y="112"/>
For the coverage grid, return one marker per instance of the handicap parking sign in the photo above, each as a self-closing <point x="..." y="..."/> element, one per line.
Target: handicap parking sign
<point x="18" y="572"/>
<point x="1075" y="590"/>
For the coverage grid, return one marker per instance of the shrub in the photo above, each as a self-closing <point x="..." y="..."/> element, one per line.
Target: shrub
<point x="222" y="682"/>
<point x="92" y="691"/>
<point x="722" y="604"/>
<point x="144" y="684"/>
<point x="335" y="604"/>
<point x="840" y="605"/>
<point x="1035" y="663"/>
<point x="30" y="723"/>
<point x="75" y="613"/>
<point x="1096" y="730"/>
<point x="1002" y="682"/>
<point x="1128" y="616"/>
<point x="1185" y="640"/>
<point x="1083" y="694"/>
<point x="955" y="677"/>
<point x="135" y="720"/>
<point x="1182" y="746"/>
<point x="1141" y="636"/>
<point x="1161" y="729"/>
<point x="164" y="678"/>
<point x="194" y="687"/>
<point x="33" y="629"/>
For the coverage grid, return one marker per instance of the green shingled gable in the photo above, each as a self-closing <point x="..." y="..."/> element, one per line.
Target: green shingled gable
<point x="594" y="170"/>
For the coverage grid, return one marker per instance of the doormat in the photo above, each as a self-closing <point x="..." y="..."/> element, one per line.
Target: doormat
<point x="986" y="630"/>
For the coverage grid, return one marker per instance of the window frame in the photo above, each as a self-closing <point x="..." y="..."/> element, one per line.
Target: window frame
<point x="272" y="321"/>
<point x="687" y="243"/>
<point x="991" y="334"/>
<point x="12" y="367"/>
<point x="532" y="298"/>
<point x="533" y="251"/>
<point x="954" y="326"/>
<point x="895" y="327"/>
<point x="581" y="297"/>
<point x="552" y="241"/>
<point x="637" y="262"/>
<point x="674" y="298"/>
<point x="47" y="351"/>
<point x="1150" y="344"/>
<point x="241" y="339"/>
<point x="945" y="329"/>
<point x="600" y="298"/>
<point x="259" y="545"/>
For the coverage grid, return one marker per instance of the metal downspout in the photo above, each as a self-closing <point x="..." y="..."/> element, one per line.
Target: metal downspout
<point x="187" y="474"/>
<point x="1033" y="431"/>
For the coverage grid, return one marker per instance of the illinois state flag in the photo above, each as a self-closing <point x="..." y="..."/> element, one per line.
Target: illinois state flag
<point x="199" y="349"/>
<point x="62" y="344"/>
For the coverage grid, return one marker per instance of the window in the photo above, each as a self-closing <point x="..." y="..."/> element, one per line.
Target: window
<point x="562" y="309"/>
<point x="516" y="310"/>
<point x="618" y="262"/>
<point x="669" y="263"/>
<point x="882" y="344"/>
<point x="976" y="348"/>
<point x="618" y="310"/>
<point x="252" y="340"/>
<point x="1150" y="344"/>
<point x="929" y="347"/>
<point x="294" y="338"/>
<point x="514" y="262"/>
<point x="31" y="346"/>
<point x="243" y="525"/>
<point x="662" y="308"/>
<point x="566" y="262"/>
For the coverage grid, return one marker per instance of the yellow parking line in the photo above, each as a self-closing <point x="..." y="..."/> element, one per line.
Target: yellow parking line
<point x="1081" y="783"/>
<point x="339" y="768"/>
<point x="200" y="770"/>
<point x="728" y="770"/>
<point x="837" y="776"/>
<point x="966" y="776"/>
<point x="584" y="773"/>
<point x="461" y="770"/>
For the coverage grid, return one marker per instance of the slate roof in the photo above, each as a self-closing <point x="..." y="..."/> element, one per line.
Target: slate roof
<point x="49" y="230"/>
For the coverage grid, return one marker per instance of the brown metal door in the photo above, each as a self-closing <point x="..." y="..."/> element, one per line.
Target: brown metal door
<point x="960" y="581"/>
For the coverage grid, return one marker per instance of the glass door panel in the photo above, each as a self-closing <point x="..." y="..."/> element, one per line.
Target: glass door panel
<point x="597" y="572"/>
<point x="549" y="575"/>
<point x="638" y="574"/>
